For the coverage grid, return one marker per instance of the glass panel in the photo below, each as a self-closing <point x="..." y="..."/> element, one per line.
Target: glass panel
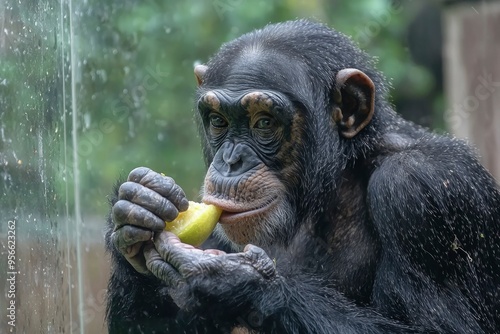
<point x="37" y="260"/>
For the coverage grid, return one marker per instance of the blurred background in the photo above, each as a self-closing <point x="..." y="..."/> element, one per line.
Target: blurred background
<point x="91" y="89"/>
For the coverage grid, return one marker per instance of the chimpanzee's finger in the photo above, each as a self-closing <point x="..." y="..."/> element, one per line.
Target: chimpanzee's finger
<point x="129" y="240"/>
<point x="163" y="185"/>
<point x="129" y="235"/>
<point x="158" y="267"/>
<point x="175" y="252"/>
<point x="128" y="213"/>
<point x="148" y="199"/>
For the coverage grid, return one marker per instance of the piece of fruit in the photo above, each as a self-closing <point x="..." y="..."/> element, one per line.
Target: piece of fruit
<point x="195" y="225"/>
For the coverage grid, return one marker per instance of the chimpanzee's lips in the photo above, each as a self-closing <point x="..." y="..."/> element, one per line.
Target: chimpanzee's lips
<point x="234" y="212"/>
<point x="228" y="217"/>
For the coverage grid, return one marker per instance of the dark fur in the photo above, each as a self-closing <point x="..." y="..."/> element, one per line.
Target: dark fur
<point x="397" y="229"/>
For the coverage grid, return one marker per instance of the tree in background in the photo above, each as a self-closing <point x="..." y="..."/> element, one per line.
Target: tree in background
<point x="133" y="74"/>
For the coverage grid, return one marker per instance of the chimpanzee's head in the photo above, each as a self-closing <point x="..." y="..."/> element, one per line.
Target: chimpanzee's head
<point x="281" y="112"/>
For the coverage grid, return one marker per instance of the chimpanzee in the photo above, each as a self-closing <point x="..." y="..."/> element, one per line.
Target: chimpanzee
<point x="338" y="215"/>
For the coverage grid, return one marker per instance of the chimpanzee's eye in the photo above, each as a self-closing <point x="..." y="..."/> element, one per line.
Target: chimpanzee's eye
<point x="264" y="123"/>
<point x="217" y="121"/>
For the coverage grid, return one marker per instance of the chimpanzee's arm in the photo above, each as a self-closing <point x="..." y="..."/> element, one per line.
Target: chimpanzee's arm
<point x="435" y="227"/>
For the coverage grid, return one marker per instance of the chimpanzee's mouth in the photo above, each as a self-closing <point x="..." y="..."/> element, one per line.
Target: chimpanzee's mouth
<point x="228" y="217"/>
<point x="235" y="212"/>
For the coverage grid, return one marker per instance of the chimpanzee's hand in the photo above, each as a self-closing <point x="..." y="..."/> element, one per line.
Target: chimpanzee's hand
<point x="198" y="277"/>
<point x="145" y="202"/>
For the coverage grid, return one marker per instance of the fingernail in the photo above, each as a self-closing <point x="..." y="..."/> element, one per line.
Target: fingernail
<point x="184" y="204"/>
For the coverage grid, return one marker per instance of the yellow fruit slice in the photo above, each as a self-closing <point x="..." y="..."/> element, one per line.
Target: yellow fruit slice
<point x="195" y="225"/>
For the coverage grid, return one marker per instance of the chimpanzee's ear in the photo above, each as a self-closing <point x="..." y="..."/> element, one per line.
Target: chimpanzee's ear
<point x="354" y="99"/>
<point x="199" y="72"/>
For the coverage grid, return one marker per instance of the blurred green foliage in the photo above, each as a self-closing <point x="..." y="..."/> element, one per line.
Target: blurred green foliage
<point x="134" y="83"/>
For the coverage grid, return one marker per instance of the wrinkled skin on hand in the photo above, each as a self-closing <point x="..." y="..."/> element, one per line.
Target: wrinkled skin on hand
<point x="196" y="278"/>
<point x="145" y="202"/>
